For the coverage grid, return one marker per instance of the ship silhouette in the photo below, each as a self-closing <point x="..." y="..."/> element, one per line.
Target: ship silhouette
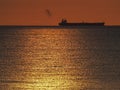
<point x="65" y="23"/>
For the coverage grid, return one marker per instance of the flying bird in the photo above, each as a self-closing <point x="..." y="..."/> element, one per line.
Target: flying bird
<point x="48" y="13"/>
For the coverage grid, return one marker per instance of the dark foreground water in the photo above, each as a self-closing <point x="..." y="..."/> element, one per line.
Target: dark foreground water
<point x="60" y="58"/>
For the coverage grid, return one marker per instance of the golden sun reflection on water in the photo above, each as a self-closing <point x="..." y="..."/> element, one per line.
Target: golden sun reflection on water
<point x="49" y="60"/>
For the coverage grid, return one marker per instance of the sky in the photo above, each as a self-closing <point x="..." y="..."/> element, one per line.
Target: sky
<point x="50" y="12"/>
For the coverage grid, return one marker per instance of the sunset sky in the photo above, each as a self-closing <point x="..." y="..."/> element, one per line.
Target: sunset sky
<point x="50" y="12"/>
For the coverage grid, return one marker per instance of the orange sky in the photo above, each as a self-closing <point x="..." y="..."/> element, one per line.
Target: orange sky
<point x="50" y="12"/>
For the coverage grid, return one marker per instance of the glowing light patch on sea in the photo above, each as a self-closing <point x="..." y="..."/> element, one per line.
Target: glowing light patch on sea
<point x="47" y="60"/>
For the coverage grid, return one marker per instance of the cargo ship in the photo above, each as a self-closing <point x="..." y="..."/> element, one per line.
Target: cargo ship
<point x="65" y="23"/>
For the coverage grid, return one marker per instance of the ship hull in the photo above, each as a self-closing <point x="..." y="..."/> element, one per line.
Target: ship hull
<point x="81" y="24"/>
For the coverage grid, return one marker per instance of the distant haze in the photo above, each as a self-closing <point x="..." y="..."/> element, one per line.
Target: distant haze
<point x="38" y="12"/>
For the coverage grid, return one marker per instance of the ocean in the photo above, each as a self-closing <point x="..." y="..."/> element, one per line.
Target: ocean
<point x="60" y="58"/>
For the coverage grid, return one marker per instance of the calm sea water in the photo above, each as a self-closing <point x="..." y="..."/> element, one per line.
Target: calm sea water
<point x="60" y="58"/>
